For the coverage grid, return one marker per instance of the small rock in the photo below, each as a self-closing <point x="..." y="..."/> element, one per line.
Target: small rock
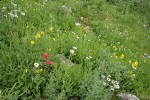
<point x="64" y="60"/>
<point x="126" y="96"/>
<point x="73" y="98"/>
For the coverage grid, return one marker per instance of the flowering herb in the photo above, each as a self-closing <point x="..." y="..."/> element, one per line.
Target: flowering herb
<point x="45" y="55"/>
<point x="49" y="62"/>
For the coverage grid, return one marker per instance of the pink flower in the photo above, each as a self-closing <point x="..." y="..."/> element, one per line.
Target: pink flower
<point x="49" y="62"/>
<point x="45" y="55"/>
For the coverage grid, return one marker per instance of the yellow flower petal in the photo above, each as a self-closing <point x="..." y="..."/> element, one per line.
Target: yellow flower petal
<point x="135" y="64"/>
<point x="37" y="36"/>
<point x="122" y="56"/>
<point x="32" y="42"/>
<point x="51" y="29"/>
<point x="42" y="33"/>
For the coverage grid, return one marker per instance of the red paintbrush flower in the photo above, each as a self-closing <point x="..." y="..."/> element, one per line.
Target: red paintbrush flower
<point x="45" y="55"/>
<point x="49" y="62"/>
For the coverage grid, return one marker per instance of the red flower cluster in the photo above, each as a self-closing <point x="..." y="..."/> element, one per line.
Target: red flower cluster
<point x="45" y="55"/>
<point x="47" y="61"/>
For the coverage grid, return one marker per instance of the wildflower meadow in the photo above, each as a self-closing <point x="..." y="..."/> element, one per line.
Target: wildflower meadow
<point x="74" y="49"/>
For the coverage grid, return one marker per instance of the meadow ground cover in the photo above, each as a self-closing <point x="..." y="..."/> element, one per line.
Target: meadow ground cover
<point x="93" y="49"/>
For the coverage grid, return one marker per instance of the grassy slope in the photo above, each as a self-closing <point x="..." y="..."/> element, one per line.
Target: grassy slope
<point x="129" y="30"/>
<point x="104" y="19"/>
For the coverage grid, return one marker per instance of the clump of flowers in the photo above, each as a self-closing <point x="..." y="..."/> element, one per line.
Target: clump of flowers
<point x="77" y="24"/>
<point x="135" y="64"/>
<point x="38" y="69"/>
<point x="37" y="37"/>
<point x="109" y="82"/>
<point x="88" y="57"/>
<point x="45" y="55"/>
<point x="14" y="11"/>
<point x="72" y="51"/>
<point x="46" y="58"/>
<point x="39" y="66"/>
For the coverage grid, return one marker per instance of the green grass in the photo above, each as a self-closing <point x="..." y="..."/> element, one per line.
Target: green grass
<point x="110" y="35"/>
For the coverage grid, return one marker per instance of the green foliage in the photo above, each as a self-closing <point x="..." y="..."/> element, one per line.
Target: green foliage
<point x="96" y="46"/>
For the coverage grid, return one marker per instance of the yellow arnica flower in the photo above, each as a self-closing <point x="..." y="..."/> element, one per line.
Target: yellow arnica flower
<point x="37" y="36"/>
<point x="42" y="33"/>
<point x="135" y="64"/>
<point x="122" y="56"/>
<point x="115" y="48"/>
<point x="32" y="42"/>
<point x="51" y="29"/>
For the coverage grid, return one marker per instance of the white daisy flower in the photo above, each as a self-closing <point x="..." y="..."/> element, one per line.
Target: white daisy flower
<point x="75" y="48"/>
<point x="103" y="76"/>
<point x="77" y="37"/>
<point x="87" y="58"/>
<point x="77" y="24"/>
<point x="90" y="57"/>
<point x="73" y="33"/>
<point x="116" y="86"/>
<point x="22" y="13"/>
<point x="72" y="52"/>
<point x="36" y="65"/>
<point x="108" y="79"/>
<point x="16" y="16"/>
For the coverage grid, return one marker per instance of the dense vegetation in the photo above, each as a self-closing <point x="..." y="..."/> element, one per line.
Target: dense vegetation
<point x="94" y="49"/>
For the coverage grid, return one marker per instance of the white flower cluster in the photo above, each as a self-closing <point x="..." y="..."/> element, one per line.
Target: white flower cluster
<point x="72" y="51"/>
<point x="77" y="24"/>
<point x="108" y="81"/>
<point x="88" y="57"/>
<point x="14" y="13"/>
